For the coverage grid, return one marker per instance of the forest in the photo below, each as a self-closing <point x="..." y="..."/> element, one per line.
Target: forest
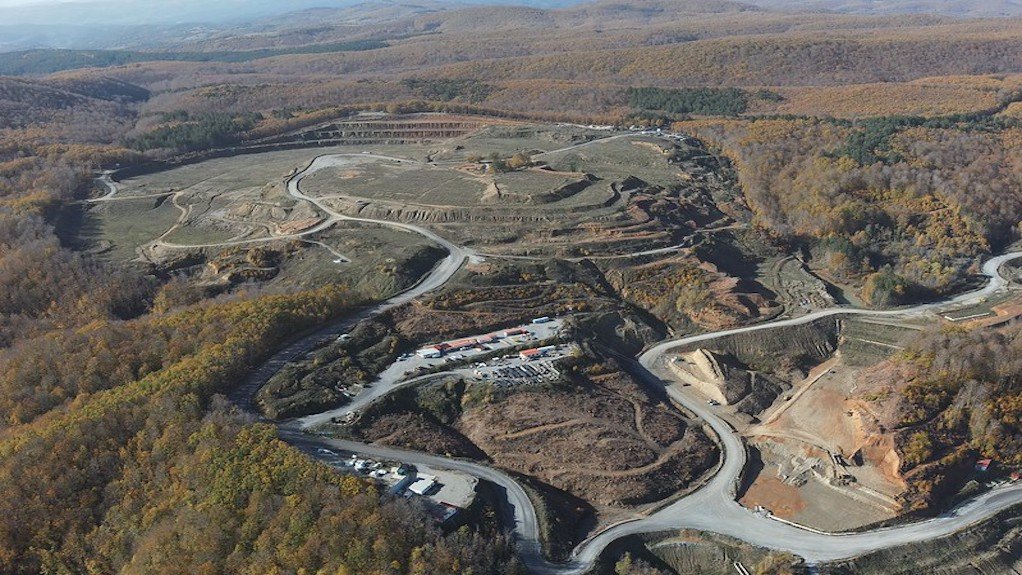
<point x="959" y="399"/>
<point x="158" y="473"/>
<point x="901" y="208"/>
<point x="699" y="101"/>
<point x="444" y="90"/>
<point x="205" y="132"/>
<point x="886" y="152"/>
<point x="118" y="451"/>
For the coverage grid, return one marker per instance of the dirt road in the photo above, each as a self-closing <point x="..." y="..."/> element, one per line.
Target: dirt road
<point x="712" y="507"/>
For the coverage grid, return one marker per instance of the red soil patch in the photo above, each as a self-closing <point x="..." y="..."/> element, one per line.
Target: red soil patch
<point x="781" y="499"/>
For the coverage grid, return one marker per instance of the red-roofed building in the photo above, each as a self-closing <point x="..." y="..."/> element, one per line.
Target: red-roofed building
<point x="530" y="354"/>
<point x="462" y="344"/>
<point x="983" y="464"/>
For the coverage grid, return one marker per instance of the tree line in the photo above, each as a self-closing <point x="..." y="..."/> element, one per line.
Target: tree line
<point x="119" y="453"/>
<point x="901" y="208"/>
<point x="699" y="101"/>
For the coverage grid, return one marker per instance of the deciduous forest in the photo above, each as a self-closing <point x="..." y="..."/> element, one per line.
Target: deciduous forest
<point x="118" y="450"/>
<point x="885" y="151"/>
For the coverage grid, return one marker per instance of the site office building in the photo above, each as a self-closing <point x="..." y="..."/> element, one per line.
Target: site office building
<point x="432" y="351"/>
<point x="435" y="351"/>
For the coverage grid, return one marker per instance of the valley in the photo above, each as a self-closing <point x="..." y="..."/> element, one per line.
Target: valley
<point x="783" y="401"/>
<point x="650" y="287"/>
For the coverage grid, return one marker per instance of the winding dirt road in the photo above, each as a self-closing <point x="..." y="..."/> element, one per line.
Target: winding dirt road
<point x="712" y="507"/>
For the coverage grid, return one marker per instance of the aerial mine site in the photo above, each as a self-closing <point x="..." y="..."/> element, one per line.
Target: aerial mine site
<point x="640" y="288"/>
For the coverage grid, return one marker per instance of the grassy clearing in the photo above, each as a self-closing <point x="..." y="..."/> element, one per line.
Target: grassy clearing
<point x="865" y="343"/>
<point x="126" y="224"/>
<point x="383" y="260"/>
<point x="618" y="159"/>
<point x="192" y="235"/>
<point x="251" y="170"/>
<point x="532" y="183"/>
<point x="390" y="181"/>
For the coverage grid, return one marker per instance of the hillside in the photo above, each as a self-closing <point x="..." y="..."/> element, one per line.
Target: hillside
<point x="423" y="36"/>
<point x="958" y="8"/>
<point x="283" y="210"/>
<point x="950" y="405"/>
<point x="102" y="104"/>
<point x="571" y="54"/>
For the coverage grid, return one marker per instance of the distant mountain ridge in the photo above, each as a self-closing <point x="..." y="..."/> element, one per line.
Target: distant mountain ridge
<point x="958" y="8"/>
<point x="258" y="24"/>
<point x="150" y="12"/>
<point x="310" y="22"/>
<point x="101" y="25"/>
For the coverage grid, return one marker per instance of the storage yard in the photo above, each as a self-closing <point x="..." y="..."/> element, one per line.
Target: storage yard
<point x="446" y="492"/>
<point x="463" y="356"/>
<point x="462" y="351"/>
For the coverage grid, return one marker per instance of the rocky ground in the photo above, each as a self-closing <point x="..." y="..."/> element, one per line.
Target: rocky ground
<point x="598" y="436"/>
<point x="606" y="442"/>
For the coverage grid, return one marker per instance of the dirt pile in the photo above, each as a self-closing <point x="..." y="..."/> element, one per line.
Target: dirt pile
<point x="621" y="331"/>
<point x="564" y="192"/>
<point x="722" y="378"/>
<point x="683" y="291"/>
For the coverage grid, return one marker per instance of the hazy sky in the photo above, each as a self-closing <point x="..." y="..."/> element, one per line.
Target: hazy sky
<point x="8" y="3"/>
<point x="85" y="12"/>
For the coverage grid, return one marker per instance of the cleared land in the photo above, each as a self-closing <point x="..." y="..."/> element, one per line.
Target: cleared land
<point x="579" y="199"/>
<point x="808" y="400"/>
<point x="391" y="180"/>
<point x="119" y="228"/>
<point x="606" y="443"/>
<point x="577" y="232"/>
<point x="601" y="437"/>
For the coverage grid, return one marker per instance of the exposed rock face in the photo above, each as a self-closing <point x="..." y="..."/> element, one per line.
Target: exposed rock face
<point x="772" y="363"/>
<point x="701" y="370"/>
<point x="723" y="378"/>
<point x="622" y="332"/>
<point x="788" y="349"/>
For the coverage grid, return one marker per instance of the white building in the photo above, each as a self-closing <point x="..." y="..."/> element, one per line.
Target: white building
<point x="429" y="352"/>
<point x="423" y="484"/>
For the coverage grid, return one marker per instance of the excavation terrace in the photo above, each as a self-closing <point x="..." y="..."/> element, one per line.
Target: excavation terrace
<point x="585" y="250"/>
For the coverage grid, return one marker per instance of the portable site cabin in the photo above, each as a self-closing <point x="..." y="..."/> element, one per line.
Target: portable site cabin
<point x="429" y="352"/>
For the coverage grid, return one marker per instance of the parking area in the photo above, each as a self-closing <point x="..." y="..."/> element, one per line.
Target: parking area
<point x="446" y="492"/>
<point x="465" y="357"/>
<point x="515" y="370"/>
<point x="455" y="352"/>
